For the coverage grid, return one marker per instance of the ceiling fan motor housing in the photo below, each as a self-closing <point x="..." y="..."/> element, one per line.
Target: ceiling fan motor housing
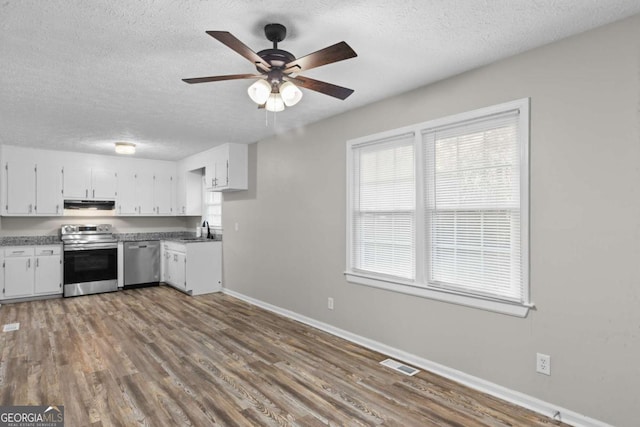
<point x="277" y="58"/>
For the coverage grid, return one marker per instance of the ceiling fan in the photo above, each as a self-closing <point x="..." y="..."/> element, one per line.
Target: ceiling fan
<point x="276" y="85"/>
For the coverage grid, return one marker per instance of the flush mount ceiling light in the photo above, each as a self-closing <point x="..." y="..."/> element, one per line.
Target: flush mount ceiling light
<point x="125" y="148"/>
<point x="279" y="70"/>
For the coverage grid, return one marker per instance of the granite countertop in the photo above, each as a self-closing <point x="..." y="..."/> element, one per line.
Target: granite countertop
<point x="195" y="240"/>
<point x="29" y="240"/>
<point x="175" y="236"/>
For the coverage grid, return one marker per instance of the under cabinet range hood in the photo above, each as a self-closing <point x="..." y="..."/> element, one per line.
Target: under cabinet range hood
<point x="84" y="207"/>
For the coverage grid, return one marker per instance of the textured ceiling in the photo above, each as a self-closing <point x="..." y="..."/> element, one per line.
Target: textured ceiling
<point x="78" y="75"/>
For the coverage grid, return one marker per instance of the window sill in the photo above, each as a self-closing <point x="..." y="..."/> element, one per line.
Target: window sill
<point x="511" y="309"/>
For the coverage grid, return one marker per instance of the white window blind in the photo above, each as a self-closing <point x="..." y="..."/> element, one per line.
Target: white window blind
<point x="472" y="207"/>
<point x="212" y="211"/>
<point x="383" y="207"/>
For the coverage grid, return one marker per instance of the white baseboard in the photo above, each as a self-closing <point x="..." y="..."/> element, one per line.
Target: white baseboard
<point x="512" y="396"/>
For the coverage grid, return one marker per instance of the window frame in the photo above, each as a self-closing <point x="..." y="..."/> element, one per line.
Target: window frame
<point x="420" y="287"/>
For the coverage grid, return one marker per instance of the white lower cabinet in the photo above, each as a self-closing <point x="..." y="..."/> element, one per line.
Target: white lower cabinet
<point x="194" y="268"/>
<point x="31" y="271"/>
<point x="48" y="274"/>
<point x="19" y="275"/>
<point x="175" y="266"/>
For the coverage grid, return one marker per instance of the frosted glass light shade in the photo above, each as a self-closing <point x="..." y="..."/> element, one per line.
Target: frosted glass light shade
<point x="275" y="103"/>
<point x="290" y="93"/>
<point x="125" y="148"/>
<point x="259" y="91"/>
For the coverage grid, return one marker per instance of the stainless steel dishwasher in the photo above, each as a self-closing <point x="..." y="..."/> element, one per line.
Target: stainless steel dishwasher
<point x="141" y="264"/>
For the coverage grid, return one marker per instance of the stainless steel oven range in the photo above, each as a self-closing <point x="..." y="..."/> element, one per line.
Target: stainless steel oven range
<point x="90" y="259"/>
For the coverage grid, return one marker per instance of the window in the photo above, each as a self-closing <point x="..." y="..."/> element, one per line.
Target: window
<point x="212" y="209"/>
<point x="384" y="213"/>
<point x="440" y="209"/>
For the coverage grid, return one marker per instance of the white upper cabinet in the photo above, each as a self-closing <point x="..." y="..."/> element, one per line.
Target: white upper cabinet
<point x="36" y="182"/>
<point x="163" y="193"/>
<point x="89" y="183"/>
<point x="20" y="181"/>
<point x="127" y="204"/>
<point x="76" y="182"/>
<point x="32" y="189"/>
<point x="103" y="184"/>
<point x="49" y="189"/>
<point x="145" y="192"/>
<point x="189" y="192"/>
<point x="226" y="168"/>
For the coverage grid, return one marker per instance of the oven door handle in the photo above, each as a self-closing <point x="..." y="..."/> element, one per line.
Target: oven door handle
<point x="90" y="247"/>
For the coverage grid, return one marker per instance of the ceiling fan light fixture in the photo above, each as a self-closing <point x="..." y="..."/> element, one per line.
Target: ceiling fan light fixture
<point x="125" y="148"/>
<point x="290" y="93"/>
<point x="274" y="103"/>
<point x="259" y="91"/>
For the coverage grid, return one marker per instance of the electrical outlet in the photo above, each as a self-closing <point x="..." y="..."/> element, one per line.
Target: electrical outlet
<point x="330" y="303"/>
<point x="543" y="364"/>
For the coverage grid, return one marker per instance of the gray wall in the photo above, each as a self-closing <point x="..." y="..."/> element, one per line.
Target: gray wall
<point x="289" y="249"/>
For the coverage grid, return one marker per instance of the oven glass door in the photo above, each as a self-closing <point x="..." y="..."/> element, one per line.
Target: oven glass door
<point x="90" y="265"/>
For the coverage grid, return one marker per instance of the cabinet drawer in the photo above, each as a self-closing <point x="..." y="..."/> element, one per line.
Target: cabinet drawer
<point x="174" y="246"/>
<point x="16" y="251"/>
<point x="47" y="250"/>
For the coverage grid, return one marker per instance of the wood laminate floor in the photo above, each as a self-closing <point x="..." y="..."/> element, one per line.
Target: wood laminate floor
<point x="156" y="357"/>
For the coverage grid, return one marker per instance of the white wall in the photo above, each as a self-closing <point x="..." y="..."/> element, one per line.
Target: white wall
<point x="289" y="249"/>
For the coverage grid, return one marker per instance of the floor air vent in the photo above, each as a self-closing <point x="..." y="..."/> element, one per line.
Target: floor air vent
<point x="400" y="367"/>
<point x="11" y="327"/>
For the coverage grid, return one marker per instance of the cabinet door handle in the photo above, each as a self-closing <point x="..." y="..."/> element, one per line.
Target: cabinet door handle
<point x="29" y="263"/>
<point x="227" y="172"/>
<point x="94" y="193"/>
<point x="37" y="262"/>
<point x="86" y="194"/>
<point x="57" y="208"/>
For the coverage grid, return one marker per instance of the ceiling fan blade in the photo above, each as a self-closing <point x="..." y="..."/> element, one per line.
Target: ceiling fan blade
<point x="328" y="55"/>
<point x="220" y="78"/>
<point x="322" y="87"/>
<point x="232" y="42"/>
